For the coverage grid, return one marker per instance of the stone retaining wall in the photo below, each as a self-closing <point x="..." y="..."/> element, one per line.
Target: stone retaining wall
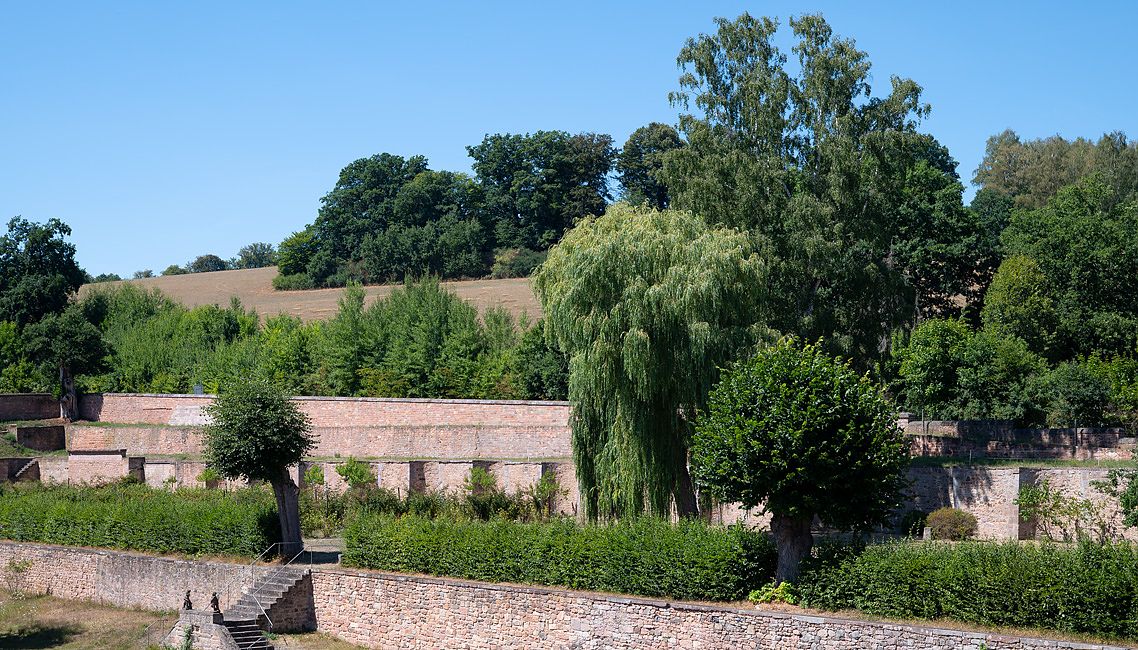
<point x="383" y="610"/>
<point x="28" y="406"/>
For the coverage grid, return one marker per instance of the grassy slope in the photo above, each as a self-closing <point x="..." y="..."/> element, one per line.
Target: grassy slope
<point x="254" y="288"/>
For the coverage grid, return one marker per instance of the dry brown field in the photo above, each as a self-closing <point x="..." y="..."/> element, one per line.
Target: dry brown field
<point x="255" y="290"/>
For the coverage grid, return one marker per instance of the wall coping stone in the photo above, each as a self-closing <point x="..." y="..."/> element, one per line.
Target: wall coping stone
<point x="326" y="398"/>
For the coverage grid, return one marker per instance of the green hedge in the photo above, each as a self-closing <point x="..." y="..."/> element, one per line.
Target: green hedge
<point x="1085" y="589"/>
<point x="646" y="557"/>
<point x="140" y="518"/>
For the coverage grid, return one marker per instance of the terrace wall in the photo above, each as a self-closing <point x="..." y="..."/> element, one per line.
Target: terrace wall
<point x="384" y="610"/>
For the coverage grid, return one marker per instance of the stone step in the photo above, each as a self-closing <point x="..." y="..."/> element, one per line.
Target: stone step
<point x="33" y="463"/>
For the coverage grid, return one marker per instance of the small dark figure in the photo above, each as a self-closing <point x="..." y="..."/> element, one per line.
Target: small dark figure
<point x="213" y="604"/>
<point x="186" y="604"/>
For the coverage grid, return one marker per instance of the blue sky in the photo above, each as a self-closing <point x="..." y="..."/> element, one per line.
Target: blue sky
<point x="160" y="131"/>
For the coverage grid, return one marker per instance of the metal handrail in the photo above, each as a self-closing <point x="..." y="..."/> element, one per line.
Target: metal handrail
<point x="275" y="573"/>
<point x="227" y="587"/>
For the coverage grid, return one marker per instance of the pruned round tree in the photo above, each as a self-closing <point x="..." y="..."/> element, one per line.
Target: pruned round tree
<point x="647" y="305"/>
<point x="800" y="434"/>
<point x="256" y="433"/>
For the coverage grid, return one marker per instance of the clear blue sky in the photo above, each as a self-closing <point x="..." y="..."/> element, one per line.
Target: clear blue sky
<point x="160" y="131"/>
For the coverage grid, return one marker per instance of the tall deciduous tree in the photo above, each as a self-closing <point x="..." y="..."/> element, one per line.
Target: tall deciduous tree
<point x="255" y="256"/>
<point x="639" y="163"/>
<point x="70" y="345"/>
<point x="647" y="305"/>
<point x="256" y="433"/>
<point x="802" y="435"/>
<point x="538" y="185"/>
<point x="38" y="272"/>
<point x="860" y="212"/>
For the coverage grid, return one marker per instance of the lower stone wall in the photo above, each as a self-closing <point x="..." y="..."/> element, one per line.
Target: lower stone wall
<point x="378" y="610"/>
<point x="383" y="610"/>
<point x="123" y="579"/>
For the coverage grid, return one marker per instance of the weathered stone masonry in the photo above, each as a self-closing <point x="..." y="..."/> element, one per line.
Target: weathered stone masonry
<point x="383" y="610"/>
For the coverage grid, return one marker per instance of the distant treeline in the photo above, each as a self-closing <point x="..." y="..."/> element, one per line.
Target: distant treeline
<point x="389" y="217"/>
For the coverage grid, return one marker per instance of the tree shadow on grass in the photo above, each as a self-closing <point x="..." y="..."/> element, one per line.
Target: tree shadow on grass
<point x="36" y="635"/>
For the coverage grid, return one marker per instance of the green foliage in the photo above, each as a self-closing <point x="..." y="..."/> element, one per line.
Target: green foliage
<point x="515" y="262"/>
<point x="858" y="214"/>
<point x="255" y="256"/>
<point x="294" y="282"/>
<point x="539" y="185"/>
<point x="1018" y="304"/>
<point x="951" y="524"/>
<point x="1030" y="173"/>
<point x="1087" y="589"/>
<point x="772" y="592"/>
<point x="135" y="517"/>
<point x="1059" y="516"/>
<point x="1073" y="395"/>
<point x="357" y="474"/>
<point x="647" y="305"/>
<point x="66" y="339"/>
<point x="1086" y="247"/>
<point x="801" y="434"/>
<point x="255" y="432"/>
<point x="640" y="162"/>
<point x="649" y="557"/>
<point x="948" y="371"/>
<point x="38" y="272"/>
<point x="206" y="263"/>
<point x="295" y="252"/>
<point x="912" y="523"/>
<point x="174" y="269"/>
<point x="314" y="476"/>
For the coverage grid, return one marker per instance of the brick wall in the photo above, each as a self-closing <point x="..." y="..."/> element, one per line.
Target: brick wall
<point x="28" y="406"/>
<point x="382" y="610"/>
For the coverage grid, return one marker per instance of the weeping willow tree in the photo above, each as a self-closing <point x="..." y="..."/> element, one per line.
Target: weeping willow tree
<point x="647" y="305"/>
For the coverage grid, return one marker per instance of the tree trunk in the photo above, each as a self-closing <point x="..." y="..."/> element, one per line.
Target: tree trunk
<point x="68" y="402"/>
<point x="793" y="540"/>
<point x="288" y="510"/>
<point x="685" y="493"/>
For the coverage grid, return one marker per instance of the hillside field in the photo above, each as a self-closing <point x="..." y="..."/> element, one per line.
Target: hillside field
<point x="255" y="290"/>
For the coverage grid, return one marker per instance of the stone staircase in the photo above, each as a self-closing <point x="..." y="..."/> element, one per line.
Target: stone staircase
<point x="29" y="471"/>
<point x="253" y="611"/>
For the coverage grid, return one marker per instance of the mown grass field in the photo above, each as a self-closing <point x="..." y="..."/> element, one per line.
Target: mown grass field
<point x="255" y="289"/>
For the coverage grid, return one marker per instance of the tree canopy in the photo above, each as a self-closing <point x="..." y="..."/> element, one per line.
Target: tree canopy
<point x="640" y="161"/>
<point x="858" y="212"/>
<point x="647" y="305"/>
<point x="802" y="435"/>
<point x="256" y="433"/>
<point x="38" y="272"/>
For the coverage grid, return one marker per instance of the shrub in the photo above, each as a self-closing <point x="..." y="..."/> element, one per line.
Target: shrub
<point x="951" y="524"/>
<point x="1088" y="589"/>
<point x="294" y="282"/>
<point x="516" y="262"/>
<point x="357" y="474"/>
<point x="913" y="523"/>
<point x="776" y="592"/>
<point x="648" y="557"/>
<point x="136" y="517"/>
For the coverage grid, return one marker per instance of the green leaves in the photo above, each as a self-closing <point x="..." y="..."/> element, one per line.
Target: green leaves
<point x="255" y="432"/>
<point x="801" y="434"/>
<point x="648" y="557"/>
<point x="647" y="305"/>
<point x="136" y="517"/>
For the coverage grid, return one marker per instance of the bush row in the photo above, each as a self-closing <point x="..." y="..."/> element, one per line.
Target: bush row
<point x="136" y="517"/>
<point x="646" y="557"/>
<point x="1089" y="588"/>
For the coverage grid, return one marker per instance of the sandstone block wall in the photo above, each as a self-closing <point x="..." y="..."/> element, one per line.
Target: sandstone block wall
<point x="28" y="406"/>
<point x="362" y="427"/>
<point x="381" y="610"/>
<point x="123" y="579"/>
<point x="98" y="467"/>
<point x="378" y="610"/>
